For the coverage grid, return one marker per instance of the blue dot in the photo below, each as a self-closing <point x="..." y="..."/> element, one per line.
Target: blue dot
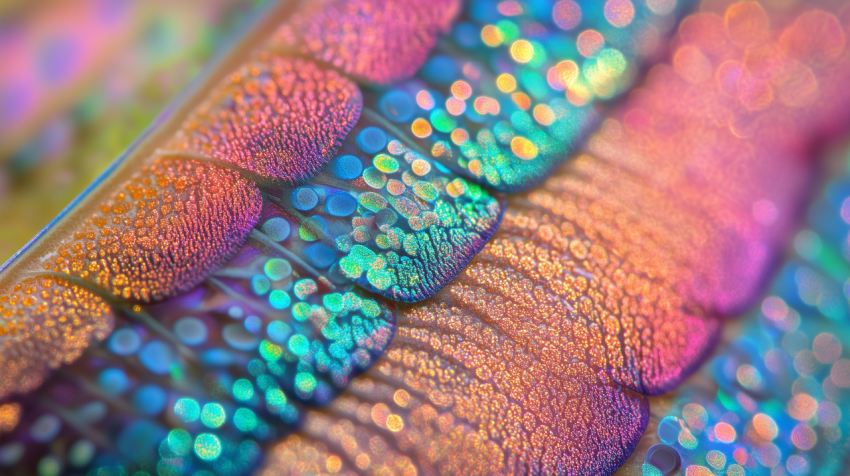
<point x="398" y="106"/>
<point x="239" y="338"/>
<point x="124" y="341"/>
<point x="45" y="428"/>
<point x="157" y="357"/>
<point x="236" y="312"/>
<point x="668" y="430"/>
<point x="278" y="331"/>
<point x="191" y="330"/>
<point x="253" y="324"/>
<point x="304" y="198"/>
<point x="260" y="284"/>
<point x="484" y="11"/>
<point x="340" y="204"/>
<point x="277" y="228"/>
<point x="466" y="35"/>
<point x="440" y="70"/>
<point x="218" y="358"/>
<point x="113" y="382"/>
<point x="11" y="453"/>
<point x="279" y="299"/>
<point x="347" y="167"/>
<point x="372" y="140"/>
<point x="150" y="400"/>
<point x="320" y="255"/>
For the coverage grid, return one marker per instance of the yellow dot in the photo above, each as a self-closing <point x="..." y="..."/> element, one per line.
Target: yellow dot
<point x="333" y="464"/>
<point x="491" y="36"/>
<point x="522" y="51"/>
<point x="421" y="128"/>
<point x="523" y="148"/>
<point x="506" y="83"/>
<point x="395" y="423"/>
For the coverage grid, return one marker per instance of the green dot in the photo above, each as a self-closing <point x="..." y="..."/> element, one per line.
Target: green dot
<point x="275" y="400"/>
<point x="187" y="409"/>
<point x="179" y="441"/>
<point x="277" y="269"/>
<point x="244" y="420"/>
<point x="305" y="382"/>
<point x="207" y="446"/>
<point x="260" y="284"/>
<point x="443" y="121"/>
<point x="213" y="415"/>
<point x="301" y="311"/>
<point x="385" y="163"/>
<point x="298" y="345"/>
<point x="279" y="299"/>
<point x="48" y="466"/>
<point x="270" y="352"/>
<point x="243" y="389"/>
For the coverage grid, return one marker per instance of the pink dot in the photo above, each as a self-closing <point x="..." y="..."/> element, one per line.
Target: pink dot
<point x="566" y="14"/>
<point x="619" y="13"/>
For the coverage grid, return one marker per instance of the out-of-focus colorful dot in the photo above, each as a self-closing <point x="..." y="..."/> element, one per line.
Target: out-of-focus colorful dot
<point x="277" y="269"/>
<point x="506" y="83"/>
<point x="277" y="228"/>
<point x="179" y="441"/>
<point x="187" y="409"/>
<point x="522" y="51"/>
<point x="244" y="420"/>
<point x="804" y="437"/>
<point x="523" y="148"/>
<point x="796" y="465"/>
<point x="491" y="36"/>
<point x="461" y="90"/>
<point x="304" y="198"/>
<point x="765" y="427"/>
<point x="589" y="43"/>
<point x="243" y="389"/>
<point x="562" y="75"/>
<point x="305" y="382"/>
<point x="207" y="446"/>
<point x="566" y="14"/>
<point x="749" y="377"/>
<point x="191" y="330"/>
<point x="298" y="345"/>
<point x="840" y="373"/>
<point x="725" y="432"/>
<point x="347" y="167"/>
<point x="619" y="13"/>
<point x="661" y="7"/>
<point x="695" y="415"/>
<point x="716" y="459"/>
<point x="455" y="106"/>
<point x="421" y="128"/>
<point x="125" y="341"/>
<point x="425" y="100"/>
<point x="213" y="415"/>
<point x="769" y="455"/>
<point x="279" y="299"/>
<point x="735" y="470"/>
<point x="827" y="348"/>
<point x="696" y="470"/>
<point x="372" y="140"/>
<point x="802" y="407"/>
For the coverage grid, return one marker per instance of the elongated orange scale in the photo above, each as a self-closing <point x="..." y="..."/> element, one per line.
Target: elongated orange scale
<point x="163" y="232"/>
<point x="45" y="322"/>
<point x="378" y="41"/>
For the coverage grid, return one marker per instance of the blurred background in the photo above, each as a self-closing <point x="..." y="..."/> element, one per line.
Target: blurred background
<point x="80" y="80"/>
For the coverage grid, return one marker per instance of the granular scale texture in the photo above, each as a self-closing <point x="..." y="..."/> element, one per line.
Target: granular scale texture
<point x="379" y="41"/>
<point x="172" y="224"/>
<point x="280" y="118"/>
<point x="45" y="322"/>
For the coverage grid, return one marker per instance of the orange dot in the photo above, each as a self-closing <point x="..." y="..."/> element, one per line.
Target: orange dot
<point x="521" y="100"/>
<point x="691" y="64"/>
<point x="333" y="464"/>
<point x="802" y="407"/>
<point x="506" y="83"/>
<point x="747" y="23"/>
<point x="523" y="148"/>
<point x="459" y="136"/>
<point x="765" y="426"/>
<point x="619" y="13"/>
<point x="589" y="43"/>
<point x="562" y="75"/>
<point x="10" y="414"/>
<point x="491" y="36"/>
<point x="421" y="128"/>
<point x="544" y="114"/>
<point x="461" y="90"/>
<point x="395" y="423"/>
<point x="725" y="432"/>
